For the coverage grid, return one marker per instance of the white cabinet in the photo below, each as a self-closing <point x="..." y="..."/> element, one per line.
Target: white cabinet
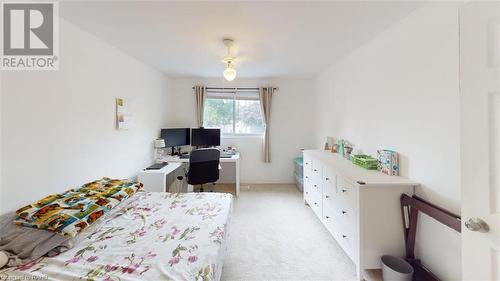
<point x="360" y="208"/>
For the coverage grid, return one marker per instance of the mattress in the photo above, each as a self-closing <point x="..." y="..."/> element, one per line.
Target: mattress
<point x="157" y="236"/>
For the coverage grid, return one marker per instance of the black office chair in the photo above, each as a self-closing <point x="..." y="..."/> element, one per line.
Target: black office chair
<point x="203" y="166"/>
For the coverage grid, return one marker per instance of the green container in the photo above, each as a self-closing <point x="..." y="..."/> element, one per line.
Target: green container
<point x="365" y="161"/>
<point x="299" y="169"/>
<point x="299" y="160"/>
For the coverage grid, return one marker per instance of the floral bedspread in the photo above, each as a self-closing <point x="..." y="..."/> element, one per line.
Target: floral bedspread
<point x="156" y="236"/>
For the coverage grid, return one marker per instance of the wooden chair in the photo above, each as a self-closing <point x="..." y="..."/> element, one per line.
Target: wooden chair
<point x="410" y="207"/>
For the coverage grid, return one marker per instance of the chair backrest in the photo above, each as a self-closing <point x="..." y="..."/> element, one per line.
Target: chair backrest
<point x="203" y="166"/>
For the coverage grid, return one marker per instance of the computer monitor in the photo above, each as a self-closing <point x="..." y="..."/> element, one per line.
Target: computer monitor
<point x="175" y="137"/>
<point x="205" y="137"/>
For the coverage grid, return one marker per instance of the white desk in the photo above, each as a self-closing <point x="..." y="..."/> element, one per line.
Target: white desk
<point x="234" y="159"/>
<point x="156" y="180"/>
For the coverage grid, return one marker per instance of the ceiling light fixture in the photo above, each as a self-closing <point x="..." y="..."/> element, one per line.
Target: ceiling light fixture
<point x="229" y="71"/>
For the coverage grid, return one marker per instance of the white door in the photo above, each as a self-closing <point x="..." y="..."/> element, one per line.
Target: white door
<point x="480" y="135"/>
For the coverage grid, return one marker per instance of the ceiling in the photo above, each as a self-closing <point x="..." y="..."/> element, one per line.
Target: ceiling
<point x="272" y="39"/>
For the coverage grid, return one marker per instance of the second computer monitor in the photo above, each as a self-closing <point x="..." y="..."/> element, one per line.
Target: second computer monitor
<point x="176" y="136"/>
<point x="205" y="137"/>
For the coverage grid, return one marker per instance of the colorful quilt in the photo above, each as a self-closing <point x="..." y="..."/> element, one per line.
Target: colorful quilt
<point x="74" y="210"/>
<point x="153" y="236"/>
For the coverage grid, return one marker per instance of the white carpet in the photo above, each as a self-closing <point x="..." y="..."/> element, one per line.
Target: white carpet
<point x="274" y="236"/>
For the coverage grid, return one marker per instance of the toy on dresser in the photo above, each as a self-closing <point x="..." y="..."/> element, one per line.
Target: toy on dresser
<point x="388" y="162"/>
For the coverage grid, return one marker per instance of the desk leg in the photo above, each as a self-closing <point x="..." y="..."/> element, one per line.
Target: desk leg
<point x="237" y="166"/>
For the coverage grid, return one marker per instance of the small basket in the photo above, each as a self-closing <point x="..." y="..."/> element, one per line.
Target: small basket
<point x="365" y="161"/>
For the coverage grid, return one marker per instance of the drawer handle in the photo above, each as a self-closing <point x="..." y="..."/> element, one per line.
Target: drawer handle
<point x="307" y="177"/>
<point x="307" y="192"/>
<point x="327" y="179"/>
<point x="327" y="197"/>
<point x="343" y="190"/>
<point x="327" y="217"/>
<point x="315" y="186"/>
<point x="315" y="203"/>
<point x="344" y="212"/>
<point x="315" y="170"/>
<point x="343" y="236"/>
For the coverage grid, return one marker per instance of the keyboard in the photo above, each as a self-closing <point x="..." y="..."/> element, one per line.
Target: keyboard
<point x="157" y="166"/>
<point x="226" y="156"/>
<point x="184" y="156"/>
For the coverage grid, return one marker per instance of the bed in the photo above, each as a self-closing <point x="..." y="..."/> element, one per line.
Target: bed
<point x="152" y="236"/>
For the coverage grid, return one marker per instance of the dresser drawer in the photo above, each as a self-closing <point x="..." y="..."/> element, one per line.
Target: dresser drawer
<point x="329" y="200"/>
<point x="307" y="192"/>
<point x="348" y="241"/>
<point x="308" y="169"/>
<point x="329" y="176"/>
<point x="316" y="205"/>
<point x="307" y="178"/>
<point x="329" y="181"/>
<point x="317" y="166"/>
<point x="316" y="188"/>
<point x="317" y="171"/>
<point x="330" y="197"/>
<point x="308" y="189"/>
<point x="346" y="217"/>
<point x="329" y="220"/>
<point x="307" y="165"/>
<point x="346" y="194"/>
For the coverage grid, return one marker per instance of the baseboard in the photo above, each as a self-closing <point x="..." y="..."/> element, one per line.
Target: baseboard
<point x="267" y="182"/>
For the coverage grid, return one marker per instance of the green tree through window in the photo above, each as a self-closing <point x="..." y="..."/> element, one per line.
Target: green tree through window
<point x="233" y="114"/>
<point x="219" y="113"/>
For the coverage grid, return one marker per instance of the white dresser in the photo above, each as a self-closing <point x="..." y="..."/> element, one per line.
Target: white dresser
<point x="359" y="207"/>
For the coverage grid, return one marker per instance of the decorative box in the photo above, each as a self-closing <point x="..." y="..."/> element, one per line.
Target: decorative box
<point x="388" y="162"/>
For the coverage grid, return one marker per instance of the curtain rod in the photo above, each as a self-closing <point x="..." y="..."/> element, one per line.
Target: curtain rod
<point x="237" y="88"/>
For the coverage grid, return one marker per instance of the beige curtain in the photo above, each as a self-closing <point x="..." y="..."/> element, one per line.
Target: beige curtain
<point x="200" y="93"/>
<point x="266" y="96"/>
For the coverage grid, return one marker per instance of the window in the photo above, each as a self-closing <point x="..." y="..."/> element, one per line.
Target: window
<point x="234" y="112"/>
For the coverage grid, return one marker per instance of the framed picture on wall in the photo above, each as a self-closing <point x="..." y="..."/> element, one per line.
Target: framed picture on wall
<point x="122" y="119"/>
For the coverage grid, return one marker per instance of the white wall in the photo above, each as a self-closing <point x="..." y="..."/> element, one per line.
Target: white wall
<point x="58" y="127"/>
<point x="291" y="127"/>
<point x="400" y="91"/>
<point x="1" y="154"/>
